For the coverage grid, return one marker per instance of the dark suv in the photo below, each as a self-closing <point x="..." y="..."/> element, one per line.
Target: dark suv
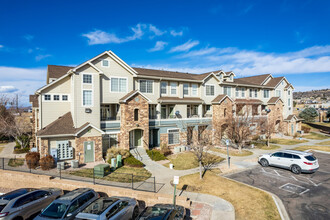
<point x="68" y="206"/>
<point x="24" y="203"/>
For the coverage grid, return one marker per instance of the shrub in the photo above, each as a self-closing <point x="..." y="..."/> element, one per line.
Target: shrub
<point x="21" y="151"/>
<point x="47" y="162"/>
<point x="32" y="159"/>
<point x="156" y="155"/>
<point x="132" y="162"/>
<point x="164" y="149"/>
<point x="305" y="129"/>
<point x="113" y="152"/>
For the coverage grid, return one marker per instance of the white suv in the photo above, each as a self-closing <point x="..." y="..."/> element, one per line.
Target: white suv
<point x="296" y="161"/>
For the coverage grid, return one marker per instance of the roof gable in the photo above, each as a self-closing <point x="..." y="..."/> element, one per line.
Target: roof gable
<point x="131" y="94"/>
<point x="221" y="98"/>
<point x="274" y="100"/>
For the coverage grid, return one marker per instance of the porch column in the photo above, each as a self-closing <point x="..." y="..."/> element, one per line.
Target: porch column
<point x="200" y="110"/>
<point x="158" y="110"/>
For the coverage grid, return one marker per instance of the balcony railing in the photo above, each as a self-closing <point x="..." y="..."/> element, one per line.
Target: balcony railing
<point x="116" y="118"/>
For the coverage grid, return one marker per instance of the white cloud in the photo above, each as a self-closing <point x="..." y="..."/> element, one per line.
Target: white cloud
<point x="199" y="52"/>
<point x="155" y="30"/>
<point x="28" y="37"/>
<point x="185" y="47"/>
<point x="42" y="56"/>
<point x="176" y="33"/>
<point x="8" y="89"/>
<point x="160" y="45"/>
<point x="17" y="74"/>
<point x="1" y="46"/>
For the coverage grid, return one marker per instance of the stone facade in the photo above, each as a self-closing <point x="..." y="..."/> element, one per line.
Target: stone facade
<point x="291" y="127"/>
<point x="79" y="148"/>
<point x="44" y="150"/>
<point x="276" y="116"/>
<point x="128" y="122"/>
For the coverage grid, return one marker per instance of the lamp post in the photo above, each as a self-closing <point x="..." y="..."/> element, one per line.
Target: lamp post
<point x="228" y="158"/>
<point x="175" y="182"/>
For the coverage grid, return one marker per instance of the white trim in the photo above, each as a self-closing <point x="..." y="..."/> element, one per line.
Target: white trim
<point x="56" y="135"/>
<point x="82" y="79"/>
<point x="270" y="75"/>
<point x="226" y="96"/>
<point x="192" y="90"/>
<point x="52" y="83"/>
<point x="87" y="126"/>
<point x="211" y="74"/>
<point x="213" y="89"/>
<point x="44" y="99"/>
<point x="82" y="96"/>
<point x="136" y="91"/>
<point x="125" y="65"/>
<point x="178" y="129"/>
<point x="176" y="89"/>
<point x="112" y="132"/>
<point x="97" y="69"/>
<point x="160" y="88"/>
<point x="118" y="77"/>
<point x="103" y="65"/>
<point x="170" y="79"/>
<point x="153" y="85"/>
<point x="185" y="95"/>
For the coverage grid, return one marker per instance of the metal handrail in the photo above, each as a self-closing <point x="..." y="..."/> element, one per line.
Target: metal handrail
<point x="137" y="153"/>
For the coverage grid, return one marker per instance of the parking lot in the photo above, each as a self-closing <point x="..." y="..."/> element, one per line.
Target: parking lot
<point x="305" y="196"/>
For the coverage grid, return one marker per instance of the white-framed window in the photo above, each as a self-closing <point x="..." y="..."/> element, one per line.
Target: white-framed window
<point x="256" y="93"/>
<point x="243" y="92"/>
<point x="231" y="77"/>
<point x="118" y="84"/>
<point x="278" y="93"/>
<point x="105" y="63"/>
<point x="289" y="92"/>
<point x="47" y="97"/>
<point x="251" y="93"/>
<point x="266" y="93"/>
<point x="163" y="88"/>
<point x="56" y="97"/>
<point x="289" y="102"/>
<point x="237" y="92"/>
<point x="64" y="97"/>
<point x="227" y="90"/>
<point x="185" y="89"/>
<point x="87" y="98"/>
<point x="146" y="86"/>
<point x="64" y="150"/>
<point x="87" y="78"/>
<point x="173" y="88"/>
<point x="194" y="89"/>
<point x="173" y="136"/>
<point x="209" y="90"/>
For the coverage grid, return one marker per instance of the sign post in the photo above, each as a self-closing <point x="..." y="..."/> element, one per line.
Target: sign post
<point x="228" y="158"/>
<point x="175" y="182"/>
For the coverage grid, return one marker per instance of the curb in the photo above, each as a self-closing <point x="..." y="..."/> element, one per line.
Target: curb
<point x="278" y="202"/>
<point x="319" y="151"/>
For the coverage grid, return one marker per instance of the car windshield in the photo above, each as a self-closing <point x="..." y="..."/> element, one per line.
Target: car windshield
<point x="55" y="210"/>
<point x="99" y="206"/>
<point x="310" y="158"/>
<point x="154" y="213"/>
<point x="16" y="193"/>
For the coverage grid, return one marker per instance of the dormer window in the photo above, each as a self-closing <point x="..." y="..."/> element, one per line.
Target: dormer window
<point x="231" y="77"/>
<point x="105" y="63"/>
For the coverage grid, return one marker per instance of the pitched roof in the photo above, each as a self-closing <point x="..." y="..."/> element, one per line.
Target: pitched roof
<point x="248" y="101"/>
<point x="219" y="98"/>
<point x="62" y="125"/>
<point x="274" y="81"/>
<point x="130" y="94"/>
<point x="255" y="80"/>
<point x="34" y="101"/>
<point x="165" y="73"/>
<point x="273" y="100"/>
<point x="181" y="100"/>
<point x="293" y="116"/>
<point x="55" y="71"/>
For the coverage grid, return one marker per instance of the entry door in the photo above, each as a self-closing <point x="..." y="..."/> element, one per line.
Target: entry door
<point x="138" y="138"/>
<point x="292" y="129"/>
<point x="89" y="151"/>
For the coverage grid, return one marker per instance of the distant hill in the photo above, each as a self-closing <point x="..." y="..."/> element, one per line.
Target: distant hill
<point x="322" y="93"/>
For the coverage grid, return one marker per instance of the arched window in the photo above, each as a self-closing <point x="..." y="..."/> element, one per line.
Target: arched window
<point x="224" y="112"/>
<point x="136" y="114"/>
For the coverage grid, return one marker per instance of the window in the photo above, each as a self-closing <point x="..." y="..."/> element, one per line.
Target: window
<point x="136" y="114"/>
<point x="185" y="89"/>
<point x="209" y="90"/>
<point x="173" y="136"/>
<point x="47" y="97"/>
<point x="289" y="102"/>
<point x="64" y="151"/>
<point x="87" y="78"/>
<point x="289" y="92"/>
<point x="256" y="93"/>
<point x="64" y="97"/>
<point x="243" y="92"/>
<point x="266" y="93"/>
<point x="231" y="77"/>
<point x="295" y="156"/>
<point x="227" y="90"/>
<point x="118" y="85"/>
<point x="87" y="97"/>
<point x="163" y="112"/>
<point x="56" y="97"/>
<point x="194" y="90"/>
<point x="105" y="63"/>
<point x="237" y="92"/>
<point x="224" y="112"/>
<point x="278" y="154"/>
<point x="146" y="86"/>
<point x="278" y="93"/>
<point x="163" y="88"/>
<point x="208" y="107"/>
<point x="195" y="110"/>
<point x="113" y="140"/>
<point x="173" y="88"/>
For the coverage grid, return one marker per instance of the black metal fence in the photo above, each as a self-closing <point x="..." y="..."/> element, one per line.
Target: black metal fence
<point x="117" y="179"/>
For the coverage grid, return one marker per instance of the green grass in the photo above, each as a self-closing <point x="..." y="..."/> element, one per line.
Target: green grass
<point x="324" y="143"/>
<point x="321" y="148"/>
<point x="232" y="152"/>
<point x="263" y="146"/>
<point x="187" y="160"/>
<point x="315" y="136"/>
<point x="156" y="155"/>
<point x="287" y="141"/>
<point x="16" y="162"/>
<point x="122" y="174"/>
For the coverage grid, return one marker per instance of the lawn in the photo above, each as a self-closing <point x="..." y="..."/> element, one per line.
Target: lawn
<point x="16" y="162"/>
<point x="122" y="174"/>
<point x="187" y="160"/>
<point x="325" y="143"/>
<point x="235" y="153"/>
<point x="321" y="148"/>
<point x="287" y="141"/>
<point x="263" y="146"/>
<point x="249" y="203"/>
<point x="315" y="136"/>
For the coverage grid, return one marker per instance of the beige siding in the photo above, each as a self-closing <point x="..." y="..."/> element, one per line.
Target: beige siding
<point x="90" y="132"/>
<point x="217" y="90"/>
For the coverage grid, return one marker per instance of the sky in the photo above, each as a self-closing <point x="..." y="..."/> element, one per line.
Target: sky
<point x="288" y="38"/>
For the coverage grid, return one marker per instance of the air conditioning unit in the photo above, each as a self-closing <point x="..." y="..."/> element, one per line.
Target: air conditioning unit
<point x="88" y="110"/>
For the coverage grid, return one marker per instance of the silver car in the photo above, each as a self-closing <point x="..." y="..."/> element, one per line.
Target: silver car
<point x="112" y="208"/>
<point x="24" y="203"/>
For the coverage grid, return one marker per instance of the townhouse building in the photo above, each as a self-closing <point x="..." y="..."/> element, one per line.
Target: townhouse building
<point x="84" y="110"/>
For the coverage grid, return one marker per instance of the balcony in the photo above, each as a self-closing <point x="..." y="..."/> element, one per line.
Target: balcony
<point x="110" y="112"/>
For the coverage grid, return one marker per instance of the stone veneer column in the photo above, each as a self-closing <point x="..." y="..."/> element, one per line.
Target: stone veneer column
<point x="44" y="148"/>
<point x="276" y="113"/>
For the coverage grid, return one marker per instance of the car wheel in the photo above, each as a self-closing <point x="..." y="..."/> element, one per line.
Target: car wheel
<point x="295" y="169"/>
<point x="264" y="162"/>
<point x="135" y="213"/>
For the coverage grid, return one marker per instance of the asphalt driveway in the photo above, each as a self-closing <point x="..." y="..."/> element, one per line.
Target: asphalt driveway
<point x="305" y="196"/>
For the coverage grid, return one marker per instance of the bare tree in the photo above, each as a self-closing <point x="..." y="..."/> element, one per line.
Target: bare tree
<point x="267" y="127"/>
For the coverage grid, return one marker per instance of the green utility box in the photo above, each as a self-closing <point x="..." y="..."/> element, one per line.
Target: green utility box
<point x="102" y="170"/>
<point x="113" y="164"/>
<point x="119" y="162"/>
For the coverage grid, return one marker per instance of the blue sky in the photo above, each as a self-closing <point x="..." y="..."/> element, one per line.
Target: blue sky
<point x="289" y="38"/>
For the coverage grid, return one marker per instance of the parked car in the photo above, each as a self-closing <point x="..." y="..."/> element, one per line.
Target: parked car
<point x="112" y="208"/>
<point x="164" y="212"/>
<point x="296" y="161"/>
<point x="69" y="205"/>
<point x="24" y="203"/>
